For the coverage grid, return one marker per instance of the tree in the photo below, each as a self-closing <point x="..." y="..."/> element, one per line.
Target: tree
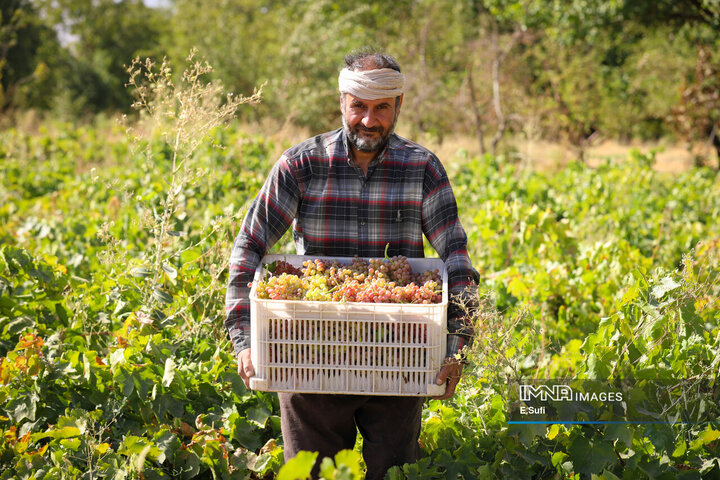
<point x="696" y="117"/>
<point x="105" y="37"/>
<point x="21" y="36"/>
<point x="240" y="38"/>
<point x="319" y="34"/>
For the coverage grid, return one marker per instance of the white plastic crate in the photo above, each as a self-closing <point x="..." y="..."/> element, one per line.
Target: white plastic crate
<point x="348" y="347"/>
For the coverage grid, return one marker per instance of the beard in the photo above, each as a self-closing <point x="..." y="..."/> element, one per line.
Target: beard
<point x="364" y="144"/>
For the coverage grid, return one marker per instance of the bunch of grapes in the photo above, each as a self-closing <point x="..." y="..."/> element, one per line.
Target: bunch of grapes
<point x="314" y="267"/>
<point x="282" y="287"/>
<point x="317" y="289"/>
<point x="427" y="275"/>
<point x="388" y="280"/>
<point x="425" y="293"/>
<point x="347" y="292"/>
<point x="358" y="270"/>
<point x="279" y="267"/>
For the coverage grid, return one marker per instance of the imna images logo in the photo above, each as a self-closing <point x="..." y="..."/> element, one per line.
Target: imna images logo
<point x="544" y="393"/>
<point x="590" y="401"/>
<point x="564" y="393"/>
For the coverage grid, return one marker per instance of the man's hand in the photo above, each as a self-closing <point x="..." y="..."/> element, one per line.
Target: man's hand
<point x="245" y="366"/>
<point x="450" y="371"/>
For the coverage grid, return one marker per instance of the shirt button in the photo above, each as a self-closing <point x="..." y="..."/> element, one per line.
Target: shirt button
<point x="362" y="222"/>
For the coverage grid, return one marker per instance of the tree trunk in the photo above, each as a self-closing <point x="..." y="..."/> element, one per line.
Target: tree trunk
<point x="497" y="61"/>
<point x="476" y="111"/>
<point x="715" y="140"/>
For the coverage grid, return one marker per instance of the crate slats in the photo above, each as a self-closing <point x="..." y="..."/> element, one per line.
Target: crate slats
<point x="348" y="347"/>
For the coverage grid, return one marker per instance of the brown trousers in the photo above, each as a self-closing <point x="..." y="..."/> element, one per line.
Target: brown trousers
<point x="390" y="427"/>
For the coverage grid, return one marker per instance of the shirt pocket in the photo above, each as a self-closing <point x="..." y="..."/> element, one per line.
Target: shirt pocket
<point x="399" y="215"/>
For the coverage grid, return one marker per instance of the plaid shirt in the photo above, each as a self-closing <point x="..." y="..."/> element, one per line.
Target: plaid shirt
<point x="337" y="210"/>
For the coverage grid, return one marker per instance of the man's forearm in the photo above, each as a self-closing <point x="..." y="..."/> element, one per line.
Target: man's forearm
<point x="243" y="263"/>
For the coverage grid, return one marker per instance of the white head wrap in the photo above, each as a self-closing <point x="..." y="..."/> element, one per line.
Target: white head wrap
<point x="371" y="84"/>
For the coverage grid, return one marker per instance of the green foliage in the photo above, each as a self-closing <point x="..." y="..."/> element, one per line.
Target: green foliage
<point x="122" y="368"/>
<point x="592" y="275"/>
<point x="112" y="276"/>
<point x="565" y="71"/>
<point x="84" y="71"/>
<point x="345" y="466"/>
<point x="117" y="365"/>
<point x="319" y="35"/>
<point x="241" y="39"/>
<point x="23" y="37"/>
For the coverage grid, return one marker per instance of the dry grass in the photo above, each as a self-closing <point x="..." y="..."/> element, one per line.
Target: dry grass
<point x="669" y="158"/>
<point x="536" y="154"/>
<point x="552" y="156"/>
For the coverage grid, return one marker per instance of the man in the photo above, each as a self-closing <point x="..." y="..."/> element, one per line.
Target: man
<point x="349" y="193"/>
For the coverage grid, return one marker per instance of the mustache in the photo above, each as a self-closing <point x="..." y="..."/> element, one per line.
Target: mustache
<point x="370" y="129"/>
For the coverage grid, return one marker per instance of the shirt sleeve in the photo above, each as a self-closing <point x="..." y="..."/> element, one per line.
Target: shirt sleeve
<point x="441" y="225"/>
<point x="269" y="216"/>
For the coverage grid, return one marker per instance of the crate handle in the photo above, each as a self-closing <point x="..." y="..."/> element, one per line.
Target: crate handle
<point x="434" y="390"/>
<point x="257" y="383"/>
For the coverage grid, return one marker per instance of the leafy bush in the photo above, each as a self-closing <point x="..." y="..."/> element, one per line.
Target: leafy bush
<point x="115" y="362"/>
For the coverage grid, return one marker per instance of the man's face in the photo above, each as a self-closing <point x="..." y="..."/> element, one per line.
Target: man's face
<point x="369" y="123"/>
